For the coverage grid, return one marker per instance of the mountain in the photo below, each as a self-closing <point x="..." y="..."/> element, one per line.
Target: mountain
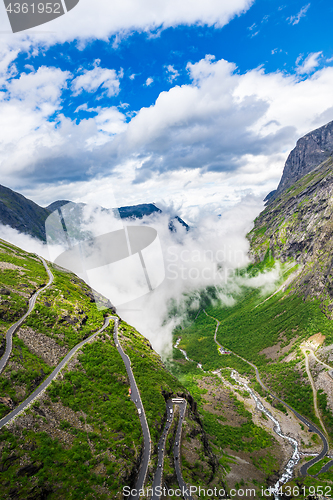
<point x="82" y="438"/>
<point x="27" y="217"/>
<point x="298" y="226"/>
<point x="311" y="150"/>
<point x="135" y="211"/>
<point x="56" y="204"/>
<point x="271" y="332"/>
<point x="253" y="359"/>
<point x="138" y="211"/>
<point x="173" y="224"/>
<point x="22" y="214"/>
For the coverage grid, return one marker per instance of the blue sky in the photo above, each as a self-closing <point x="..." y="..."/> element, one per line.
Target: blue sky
<point x="193" y="105"/>
<point x="270" y="34"/>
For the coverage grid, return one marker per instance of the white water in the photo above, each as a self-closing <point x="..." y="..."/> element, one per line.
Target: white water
<point x="184" y="353"/>
<point x="289" y="468"/>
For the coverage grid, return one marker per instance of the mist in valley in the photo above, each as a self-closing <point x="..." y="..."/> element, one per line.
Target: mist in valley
<point x="180" y="264"/>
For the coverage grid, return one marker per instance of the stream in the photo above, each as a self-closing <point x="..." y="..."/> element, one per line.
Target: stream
<point x="184" y="353"/>
<point x="289" y="468"/>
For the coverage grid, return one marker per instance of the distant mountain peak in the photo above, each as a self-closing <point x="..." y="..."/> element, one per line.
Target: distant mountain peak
<point x="311" y="150"/>
<point x="57" y="204"/>
<point x="138" y="211"/>
<point x="27" y="217"/>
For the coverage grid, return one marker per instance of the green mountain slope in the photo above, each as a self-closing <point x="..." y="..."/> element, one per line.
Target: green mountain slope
<point x="298" y="226"/>
<point x="82" y="438"/>
<point x="286" y="333"/>
<point x="269" y="331"/>
<point x="22" y="214"/>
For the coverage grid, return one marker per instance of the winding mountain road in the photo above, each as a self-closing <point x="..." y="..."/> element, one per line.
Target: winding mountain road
<point x="136" y="398"/>
<point x="157" y="481"/>
<point x="305" y="421"/>
<point x="45" y="384"/>
<point x="135" y="395"/>
<point x="16" y="326"/>
<point x="176" y="451"/>
<point x="27" y="402"/>
<point x="330" y="463"/>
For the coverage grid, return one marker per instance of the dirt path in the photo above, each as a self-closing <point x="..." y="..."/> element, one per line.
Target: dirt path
<point x="321" y="362"/>
<point x="314" y="390"/>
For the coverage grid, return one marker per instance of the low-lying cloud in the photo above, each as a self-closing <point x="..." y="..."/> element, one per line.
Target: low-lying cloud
<point x="206" y="256"/>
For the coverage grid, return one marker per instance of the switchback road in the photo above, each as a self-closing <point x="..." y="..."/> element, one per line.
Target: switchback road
<point x="136" y="398"/>
<point x="25" y="404"/>
<point x="16" y="326"/>
<point x="135" y="392"/>
<point x="314" y="390"/>
<point x="176" y="451"/>
<point x="157" y="482"/>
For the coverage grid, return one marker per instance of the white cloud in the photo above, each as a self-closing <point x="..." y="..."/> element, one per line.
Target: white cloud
<point x="109" y="120"/>
<point x="212" y="139"/>
<point x="82" y="107"/>
<point x="254" y="31"/>
<point x="91" y="80"/>
<point x="302" y="13"/>
<point x="24" y="112"/>
<point x="100" y="20"/>
<point x="173" y="73"/>
<point x="309" y="64"/>
<point x="149" y="81"/>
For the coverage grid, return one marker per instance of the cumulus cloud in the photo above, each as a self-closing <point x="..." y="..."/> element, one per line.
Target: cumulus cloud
<point x="222" y="122"/>
<point x="302" y="13"/>
<point x="149" y="81"/>
<point x="91" y="80"/>
<point x="25" y="108"/>
<point x="124" y="17"/>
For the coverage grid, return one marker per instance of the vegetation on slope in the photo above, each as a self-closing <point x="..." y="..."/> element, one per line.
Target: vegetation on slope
<point x="230" y="428"/>
<point x="298" y="225"/>
<point x="82" y="438"/>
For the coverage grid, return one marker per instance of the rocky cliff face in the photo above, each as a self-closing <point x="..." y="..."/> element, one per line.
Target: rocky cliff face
<point x="310" y="151"/>
<point x="298" y="226"/>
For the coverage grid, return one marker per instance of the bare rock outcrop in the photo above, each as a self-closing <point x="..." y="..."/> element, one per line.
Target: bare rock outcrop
<point x="42" y="345"/>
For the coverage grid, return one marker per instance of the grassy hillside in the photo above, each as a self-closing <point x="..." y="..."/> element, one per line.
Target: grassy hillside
<point x="82" y="438"/>
<point x="269" y="331"/>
